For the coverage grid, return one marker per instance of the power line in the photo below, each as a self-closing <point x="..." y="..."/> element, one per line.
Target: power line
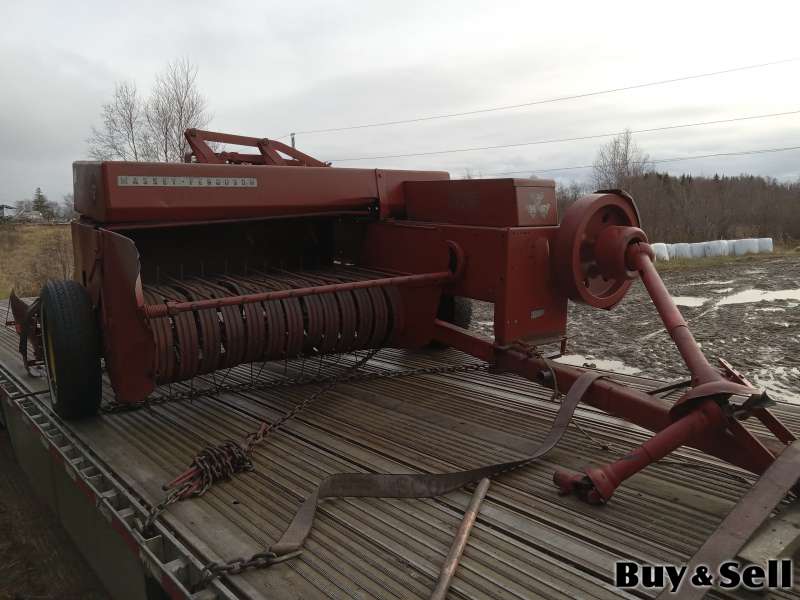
<point x="570" y="139"/>
<point x="658" y="161"/>
<point x="543" y="101"/>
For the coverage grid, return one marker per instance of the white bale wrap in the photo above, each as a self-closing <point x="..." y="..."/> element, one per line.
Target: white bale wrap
<point x="716" y="248"/>
<point x="682" y="250"/>
<point x="746" y="246"/>
<point x="660" y="250"/>
<point x="765" y="245"/>
<point x="670" y="250"/>
<point x="697" y="250"/>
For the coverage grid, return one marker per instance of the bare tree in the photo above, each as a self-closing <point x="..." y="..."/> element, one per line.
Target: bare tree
<point x="136" y="129"/>
<point x="66" y="210"/>
<point x="470" y="174"/>
<point x="619" y="160"/>
<point x="175" y="106"/>
<point x="566" y="194"/>
<point x="123" y="134"/>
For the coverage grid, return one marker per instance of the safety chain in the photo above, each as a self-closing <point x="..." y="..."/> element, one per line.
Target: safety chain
<point x="254" y="438"/>
<point x="221" y="462"/>
<point x="215" y="463"/>
<point x="259" y="560"/>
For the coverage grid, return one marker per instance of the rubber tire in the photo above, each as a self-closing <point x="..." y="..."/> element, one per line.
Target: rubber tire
<point x="69" y="323"/>
<point x="456" y="310"/>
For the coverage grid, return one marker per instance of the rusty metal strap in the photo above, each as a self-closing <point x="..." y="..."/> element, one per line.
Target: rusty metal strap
<point x="25" y="315"/>
<point x="740" y="524"/>
<point x="372" y="485"/>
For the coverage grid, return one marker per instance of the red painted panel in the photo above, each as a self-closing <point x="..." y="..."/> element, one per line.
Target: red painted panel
<point x="530" y="306"/>
<point x="391" y="188"/>
<point x="132" y="192"/>
<point x="86" y="252"/>
<point x="407" y="248"/>
<point x="483" y="202"/>
<point x="485" y="254"/>
<point x="508" y="266"/>
<point x="128" y="341"/>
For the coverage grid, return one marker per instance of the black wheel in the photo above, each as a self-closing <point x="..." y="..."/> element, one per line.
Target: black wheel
<point x="456" y="310"/>
<point x="71" y="349"/>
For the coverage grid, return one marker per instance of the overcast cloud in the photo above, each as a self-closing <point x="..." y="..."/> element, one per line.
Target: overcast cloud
<point x="269" y="68"/>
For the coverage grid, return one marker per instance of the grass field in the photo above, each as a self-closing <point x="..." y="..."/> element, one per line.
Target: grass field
<point x="31" y="254"/>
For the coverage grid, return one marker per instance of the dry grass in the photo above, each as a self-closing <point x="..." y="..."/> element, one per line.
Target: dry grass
<point x="32" y="254"/>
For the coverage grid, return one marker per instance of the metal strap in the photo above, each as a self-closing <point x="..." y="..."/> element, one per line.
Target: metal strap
<point x="371" y="485"/>
<point x="740" y="524"/>
<point x="26" y="325"/>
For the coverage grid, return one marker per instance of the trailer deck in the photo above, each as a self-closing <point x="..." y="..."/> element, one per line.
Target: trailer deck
<point x="100" y="475"/>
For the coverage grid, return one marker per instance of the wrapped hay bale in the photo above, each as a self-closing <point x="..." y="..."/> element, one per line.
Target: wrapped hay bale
<point x="660" y="250"/>
<point x="765" y="246"/>
<point x="670" y="250"/>
<point x="697" y="250"/>
<point x="716" y="248"/>
<point x="682" y="250"/>
<point x="746" y="246"/>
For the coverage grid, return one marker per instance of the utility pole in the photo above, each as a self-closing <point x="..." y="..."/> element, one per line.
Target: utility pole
<point x="292" y="140"/>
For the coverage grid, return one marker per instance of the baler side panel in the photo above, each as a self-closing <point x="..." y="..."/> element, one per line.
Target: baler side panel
<point x="127" y="192"/>
<point x="128" y="341"/>
<point x="511" y="267"/>
<point x="86" y="252"/>
<point x="89" y="189"/>
<point x="391" y="188"/>
<point x="485" y="255"/>
<point x="529" y="305"/>
<point x="161" y="192"/>
<point x="409" y="248"/>
<point x="483" y="202"/>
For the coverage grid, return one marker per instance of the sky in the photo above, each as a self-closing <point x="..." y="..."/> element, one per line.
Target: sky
<point x="269" y="68"/>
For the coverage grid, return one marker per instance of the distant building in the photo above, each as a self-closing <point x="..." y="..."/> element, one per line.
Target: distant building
<point x="7" y="211"/>
<point x="27" y="216"/>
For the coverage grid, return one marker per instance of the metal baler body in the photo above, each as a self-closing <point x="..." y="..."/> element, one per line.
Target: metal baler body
<point x="239" y="258"/>
<point x="142" y="223"/>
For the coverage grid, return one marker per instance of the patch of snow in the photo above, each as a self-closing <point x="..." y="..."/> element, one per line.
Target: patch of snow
<point x="754" y="295"/>
<point x="776" y="388"/>
<point x="579" y="360"/>
<point x="689" y="300"/>
<point x="712" y="282"/>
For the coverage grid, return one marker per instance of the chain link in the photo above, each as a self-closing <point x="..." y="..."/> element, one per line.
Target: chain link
<point x="256" y="437"/>
<point x="259" y="560"/>
<point x="221" y="462"/>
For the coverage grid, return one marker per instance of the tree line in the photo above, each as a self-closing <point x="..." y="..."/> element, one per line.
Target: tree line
<point x="30" y="209"/>
<point x="687" y="208"/>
